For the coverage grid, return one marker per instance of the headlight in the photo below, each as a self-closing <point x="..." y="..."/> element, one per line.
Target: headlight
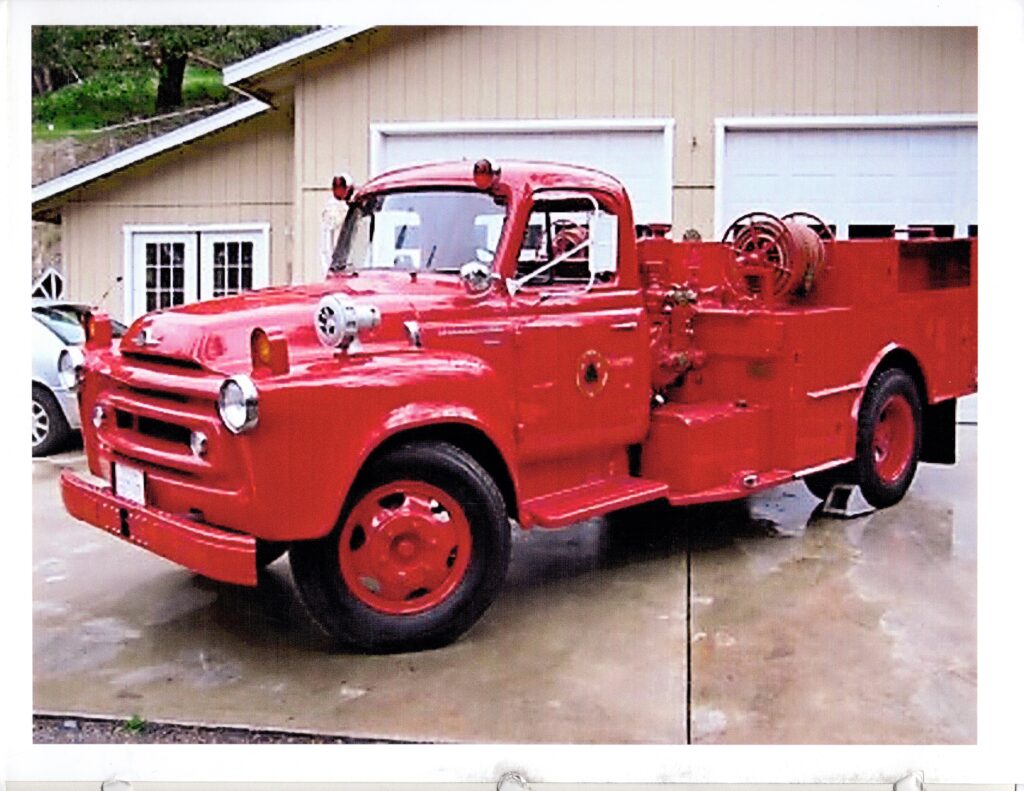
<point x="238" y="404"/>
<point x="69" y="367"/>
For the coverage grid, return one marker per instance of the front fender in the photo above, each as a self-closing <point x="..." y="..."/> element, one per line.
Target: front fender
<point x="320" y="423"/>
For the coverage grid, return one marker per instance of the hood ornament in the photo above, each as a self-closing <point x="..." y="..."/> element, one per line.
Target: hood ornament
<point x="146" y="337"/>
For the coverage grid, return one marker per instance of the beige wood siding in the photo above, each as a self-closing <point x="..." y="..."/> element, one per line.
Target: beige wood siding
<point x="242" y="174"/>
<point x="691" y="74"/>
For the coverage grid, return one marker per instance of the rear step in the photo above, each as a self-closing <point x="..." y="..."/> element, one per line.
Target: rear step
<point x="592" y="499"/>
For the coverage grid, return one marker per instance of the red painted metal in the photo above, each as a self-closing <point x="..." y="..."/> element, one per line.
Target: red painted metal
<point x="892" y="441"/>
<point x="214" y="553"/>
<point x="668" y="377"/>
<point x="405" y="547"/>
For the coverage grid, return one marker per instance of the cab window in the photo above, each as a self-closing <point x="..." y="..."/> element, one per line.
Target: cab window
<point x="569" y="241"/>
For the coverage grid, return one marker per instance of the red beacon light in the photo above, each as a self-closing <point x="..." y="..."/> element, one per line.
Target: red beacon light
<point x="342" y="187"/>
<point x="485" y="173"/>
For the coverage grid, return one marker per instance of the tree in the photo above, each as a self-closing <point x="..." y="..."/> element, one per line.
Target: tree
<point x="62" y="54"/>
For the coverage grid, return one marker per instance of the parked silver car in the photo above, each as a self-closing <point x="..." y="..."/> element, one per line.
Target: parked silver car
<point x="57" y="328"/>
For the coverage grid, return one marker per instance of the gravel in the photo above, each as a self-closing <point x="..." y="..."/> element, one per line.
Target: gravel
<point x="48" y="729"/>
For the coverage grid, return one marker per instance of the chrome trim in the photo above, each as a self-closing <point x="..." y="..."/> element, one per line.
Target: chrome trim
<point x="412" y="328"/>
<point x="199" y="443"/>
<point x="251" y="396"/>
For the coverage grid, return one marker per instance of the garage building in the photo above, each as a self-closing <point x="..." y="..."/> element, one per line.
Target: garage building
<point x="871" y="128"/>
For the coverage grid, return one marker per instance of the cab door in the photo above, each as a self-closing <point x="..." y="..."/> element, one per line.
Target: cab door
<point x="582" y="363"/>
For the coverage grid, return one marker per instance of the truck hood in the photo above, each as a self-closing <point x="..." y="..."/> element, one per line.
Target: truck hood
<point x="216" y="334"/>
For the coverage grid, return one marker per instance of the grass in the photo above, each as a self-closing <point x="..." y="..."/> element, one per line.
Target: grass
<point x="134" y="725"/>
<point x="115" y="97"/>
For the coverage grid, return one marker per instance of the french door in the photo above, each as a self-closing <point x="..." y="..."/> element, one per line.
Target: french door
<point x="170" y="268"/>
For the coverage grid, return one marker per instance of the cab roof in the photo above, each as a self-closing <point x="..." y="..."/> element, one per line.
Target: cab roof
<point x="517" y="174"/>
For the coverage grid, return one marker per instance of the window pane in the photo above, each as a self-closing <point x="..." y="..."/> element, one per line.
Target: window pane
<point x="233" y="279"/>
<point x="218" y="254"/>
<point x="247" y="278"/>
<point x="178" y="259"/>
<point x="247" y="253"/>
<point x="165" y="278"/>
<point x="150" y="301"/>
<point x="165" y="299"/>
<point x="179" y="277"/>
<point x="179" y="298"/>
<point x="150" y="277"/>
<point x="150" y="254"/>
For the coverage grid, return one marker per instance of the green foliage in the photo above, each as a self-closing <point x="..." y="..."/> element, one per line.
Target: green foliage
<point x="113" y="97"/>
<point x="83" y="50"/>
<point x="134" y="725"/>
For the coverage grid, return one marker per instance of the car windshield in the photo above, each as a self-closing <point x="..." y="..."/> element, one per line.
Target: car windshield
<point x="425" y="230"/>
<point x="65" y="321"/>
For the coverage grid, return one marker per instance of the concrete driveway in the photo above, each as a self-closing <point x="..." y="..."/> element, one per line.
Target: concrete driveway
<point x="752" y="623"/>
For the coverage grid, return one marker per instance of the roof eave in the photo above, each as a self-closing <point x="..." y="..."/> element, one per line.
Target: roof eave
<point x="45" y="195"/>
<point x="245" y="72"/>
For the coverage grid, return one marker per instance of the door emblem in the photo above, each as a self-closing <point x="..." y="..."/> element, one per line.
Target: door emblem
<point x="592" y="373"/>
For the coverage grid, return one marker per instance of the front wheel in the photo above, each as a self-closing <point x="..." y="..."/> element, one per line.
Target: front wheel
<point x="419" y="553"/>
<point x="888" y="438"/>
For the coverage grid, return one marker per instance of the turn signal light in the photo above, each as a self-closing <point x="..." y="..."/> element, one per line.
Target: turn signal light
<point x="269" y="351"/>
<point x="342" y="187"/>
<point x="98" y="330"/>
<point x="485" y="173"/>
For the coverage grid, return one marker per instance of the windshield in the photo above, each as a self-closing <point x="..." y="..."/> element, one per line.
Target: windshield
<point x="427" y="230"/>
<point x="65" y="321"/>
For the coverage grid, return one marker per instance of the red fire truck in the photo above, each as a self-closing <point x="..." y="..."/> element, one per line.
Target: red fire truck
<point x="501" y="343"/>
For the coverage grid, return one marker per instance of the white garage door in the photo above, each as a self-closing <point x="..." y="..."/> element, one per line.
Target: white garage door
<point x="638" y="153"/>
<point x="855" y="178"/>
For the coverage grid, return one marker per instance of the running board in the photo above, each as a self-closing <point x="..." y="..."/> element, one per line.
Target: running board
<point x="591" y="499"/>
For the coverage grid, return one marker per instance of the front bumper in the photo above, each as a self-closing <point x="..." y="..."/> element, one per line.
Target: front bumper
<point x="210" y="551"/>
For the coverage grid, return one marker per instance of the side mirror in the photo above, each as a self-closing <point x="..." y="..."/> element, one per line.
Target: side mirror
<point x="477" y="277"/>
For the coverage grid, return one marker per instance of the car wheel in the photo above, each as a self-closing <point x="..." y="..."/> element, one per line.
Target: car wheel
<point x="419" y="553"/>
<point x="50" y="431"/>
<point x="888" y="438"/>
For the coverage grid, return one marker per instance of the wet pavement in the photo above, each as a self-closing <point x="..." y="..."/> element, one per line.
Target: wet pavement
<point x="796" y="628"/>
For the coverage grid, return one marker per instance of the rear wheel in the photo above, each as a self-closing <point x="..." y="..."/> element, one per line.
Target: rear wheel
<point x="420" y="552"/>
<point x="888" y="438"/>
<point x="50" y="430"/>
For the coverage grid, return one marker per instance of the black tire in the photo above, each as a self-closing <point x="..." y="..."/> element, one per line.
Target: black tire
<point x="891" y="386"/>
<point x="347" y="618"/>
<point x="50" y="430"/>
<point x="820" y="483"/>
<point x="269" y="551"/>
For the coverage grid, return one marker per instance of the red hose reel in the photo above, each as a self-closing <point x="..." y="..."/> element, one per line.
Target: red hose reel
<point x="776" y="256"/>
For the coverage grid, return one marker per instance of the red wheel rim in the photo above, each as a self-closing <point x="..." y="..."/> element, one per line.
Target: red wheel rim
<point x="405" y="547"/>
<point x="892" y="443"/>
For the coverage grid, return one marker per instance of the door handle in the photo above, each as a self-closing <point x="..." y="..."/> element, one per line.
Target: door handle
<point x="625" y="326"/>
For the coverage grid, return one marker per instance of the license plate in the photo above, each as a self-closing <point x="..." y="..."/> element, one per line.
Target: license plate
<point x="130" y="484"/>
